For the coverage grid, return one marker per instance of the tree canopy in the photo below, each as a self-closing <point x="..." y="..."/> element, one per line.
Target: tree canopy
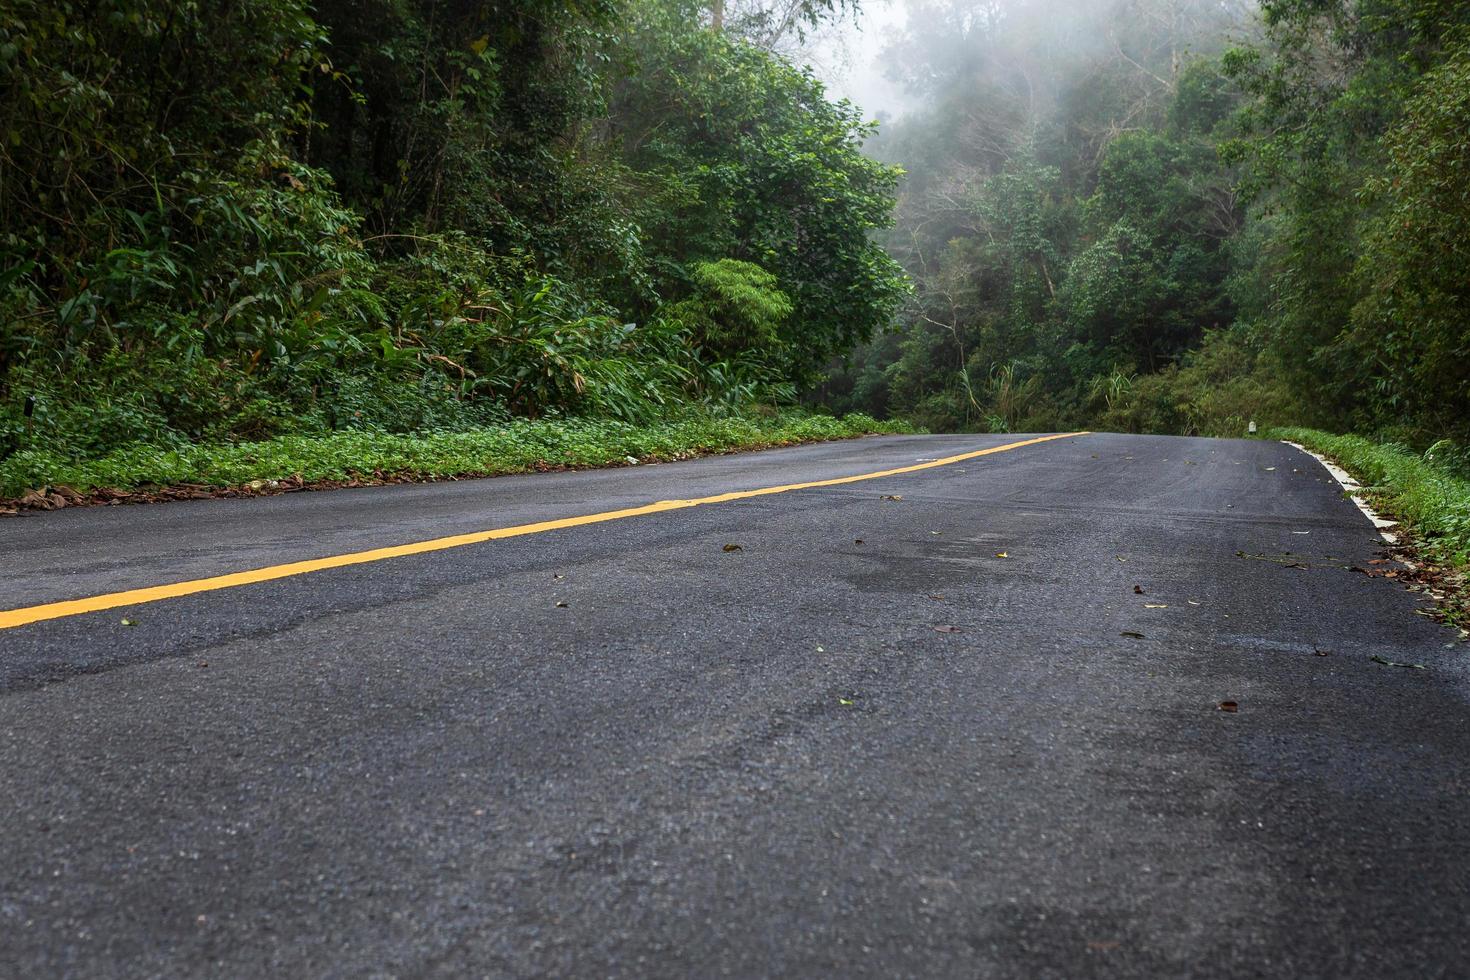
<point x="234" y="220"/>
<point x="1178" y="215"/>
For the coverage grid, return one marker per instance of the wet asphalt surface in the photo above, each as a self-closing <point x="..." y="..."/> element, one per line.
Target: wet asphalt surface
<point x="620" y="750"/>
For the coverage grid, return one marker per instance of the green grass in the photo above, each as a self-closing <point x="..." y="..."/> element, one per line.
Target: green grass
<point x="1433" y="504"/>
<point x="516" y="447"/>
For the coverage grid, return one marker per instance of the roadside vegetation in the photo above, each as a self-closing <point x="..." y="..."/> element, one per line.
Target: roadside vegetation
<point x="1427" y="492"/>
<point x="145" y="472"/>
<point x="288" y="229"/>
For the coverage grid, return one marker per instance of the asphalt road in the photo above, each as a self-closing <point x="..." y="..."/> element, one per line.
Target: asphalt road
<point x="621" y="750"/>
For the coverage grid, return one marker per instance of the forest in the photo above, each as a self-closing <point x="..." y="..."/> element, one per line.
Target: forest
<point x="1180" y="216"/>
<point x="228" y="223"/>
<point x="234" y="221"/>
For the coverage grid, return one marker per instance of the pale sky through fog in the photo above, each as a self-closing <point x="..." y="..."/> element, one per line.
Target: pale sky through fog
<point x="847" y="59"/>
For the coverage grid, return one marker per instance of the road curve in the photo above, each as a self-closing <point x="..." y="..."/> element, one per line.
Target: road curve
<point x="958" y="721"/>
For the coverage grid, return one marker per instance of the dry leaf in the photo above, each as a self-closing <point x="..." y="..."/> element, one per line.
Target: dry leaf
<point x="1002" y="554"/>
<point x="1229" y="706"/>
<point x="892" y="496"/>
<point x="733" y="547"/>
<point x="1138" y="590"/>
<point x="1131" y="635"/>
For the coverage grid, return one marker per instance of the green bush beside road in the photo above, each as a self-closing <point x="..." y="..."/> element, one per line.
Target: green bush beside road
<point x="516" y="446"/>
<point x="1429" y="492"/>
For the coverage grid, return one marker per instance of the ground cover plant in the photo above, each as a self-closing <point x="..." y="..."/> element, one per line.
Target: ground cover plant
<point x="36" y="478"/>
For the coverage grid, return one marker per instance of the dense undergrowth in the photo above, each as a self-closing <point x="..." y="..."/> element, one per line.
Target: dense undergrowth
<point x="514" y="447"/>
<point x="284" y="220"/>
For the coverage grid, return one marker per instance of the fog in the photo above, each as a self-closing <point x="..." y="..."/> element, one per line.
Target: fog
<point x="848" y="59"/>
<point x="861" y="55"/>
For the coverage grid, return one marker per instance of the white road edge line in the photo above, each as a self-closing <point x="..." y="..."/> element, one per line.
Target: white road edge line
<point x="1352" y="487"/>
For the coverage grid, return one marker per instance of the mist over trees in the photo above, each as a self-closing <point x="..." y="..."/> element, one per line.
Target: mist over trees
<point x="1179" y="215"/>
<point x="233" y="221"/>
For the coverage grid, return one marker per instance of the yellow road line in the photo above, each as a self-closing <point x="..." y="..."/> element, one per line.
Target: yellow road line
<point x="112" y="600"/>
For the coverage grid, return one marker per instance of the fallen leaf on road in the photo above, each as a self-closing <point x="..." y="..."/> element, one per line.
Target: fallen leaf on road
<point x="892" y="496"/>
<point x="561" y="605"/>
<point x="843" y="701"/>
<point x="948" y="629"/>
<point x="1394" y="663"/>
<point x="857" y="541"/>
<point x="1229" y="706"/>
<point x="1138" y="590"/>
<point x="1120" y="558"/>
<point x="940" y="598"/>
<point x="127" y="622"/>
<point x="1131" y="635"/>
<point x="1155" y="605"/>
<point x="1321" y="653"/>
<point x="1002" y="554"/>
<point x="733" y="547"/>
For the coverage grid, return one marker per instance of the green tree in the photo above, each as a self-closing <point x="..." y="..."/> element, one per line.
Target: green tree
<point x="1413" y="321"/>
<point x="744" y="158"/>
